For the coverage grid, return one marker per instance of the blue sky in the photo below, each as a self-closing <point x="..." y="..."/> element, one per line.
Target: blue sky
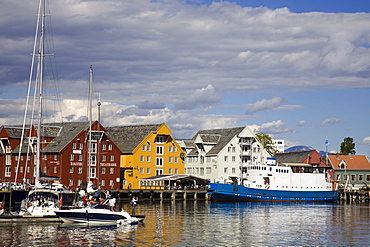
<point x="297" y="70"/>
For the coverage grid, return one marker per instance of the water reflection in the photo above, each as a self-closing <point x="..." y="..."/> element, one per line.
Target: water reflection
<point x="200" y="223"/>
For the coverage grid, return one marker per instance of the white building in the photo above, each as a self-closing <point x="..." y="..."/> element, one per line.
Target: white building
<point x="221" y="155"/>
<point x="279" y="145"/>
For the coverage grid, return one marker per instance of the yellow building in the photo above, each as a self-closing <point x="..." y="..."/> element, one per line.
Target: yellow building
<point x="147" y="151"/>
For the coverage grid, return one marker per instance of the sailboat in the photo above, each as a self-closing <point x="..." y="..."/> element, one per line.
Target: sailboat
<point x="40" y="201"/>
<point x="95" y="213"/>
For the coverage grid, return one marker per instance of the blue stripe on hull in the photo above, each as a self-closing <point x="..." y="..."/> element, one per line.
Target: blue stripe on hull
<point x="229" y="192"/>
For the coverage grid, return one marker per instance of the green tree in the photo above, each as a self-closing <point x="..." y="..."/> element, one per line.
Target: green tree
<point x="267" y="143"/>
<point x="347" y="146"/>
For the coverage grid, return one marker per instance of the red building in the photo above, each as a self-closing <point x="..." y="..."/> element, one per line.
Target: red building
<point x="68" y="154"/>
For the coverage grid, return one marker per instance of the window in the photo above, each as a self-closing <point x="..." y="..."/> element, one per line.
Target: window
<point x="233" y="170"/>
<point x="74" y="145"/>
<point x="158" y="172"/>
<point x="70" y="182"/>
<point x="141" y="158"/>
<point x="70" y="169"/>
<point x="148" y="158"/>
<point x="225" y="169"/>
<point x="21" y="169"/>
<point x="8" y="171"/>
<point x="80" y="146"/>
<point x="160" y="150"/>
<point x="169" y="170"/>
<point x="45" y="157"/>
<point x="112" y="158"/>
<point x="80" y="157"/>
<point x="93" y="172"/>
<point x="110" y="146"/>
<point x="92" y="148"/>
<point x="103" y="158"/>
<point x="201" y="171"/>
<point x="159" y="161"/>
<point x="169" y="159"/>
<point x="103" y="170"/>
<point x="111" y="183"/>
<point x="208" y="170"/>
<point x="8" y="160"/>
<point x="80" y="170"/>
<point x="148" y="170"/>
<point x="367" y="177"/>
<point x="71" y="157"/>
<point x="159" y="139"/>
<point x="360" y="177"/>
<point x="141" y="170"/>
<point x="103" y="182"/>
<point x="233" y="158"/>
<point x="55" y="157"/>
<point x="176" y="171"/>
<point x="353" y="177"/>
<point x="169" y="148"/>
<point x="104" y="147"/>
<point x="55" y="169"/>
<point x="111" y="170"/>
<point x="225" y="158"/>
<point x="176" y="159"/>
<point x="79" y="182"/>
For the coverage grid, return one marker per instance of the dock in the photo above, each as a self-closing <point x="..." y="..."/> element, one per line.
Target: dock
<point x="354" y="196"/>
<point x="161" y="195"/>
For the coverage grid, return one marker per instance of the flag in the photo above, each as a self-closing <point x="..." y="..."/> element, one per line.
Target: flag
<point x="327" y="143"/>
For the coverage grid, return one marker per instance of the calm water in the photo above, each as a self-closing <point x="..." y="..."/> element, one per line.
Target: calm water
<point x="199" y="223"/>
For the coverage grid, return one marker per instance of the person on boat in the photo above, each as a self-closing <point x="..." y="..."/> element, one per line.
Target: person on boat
<point x="112" y="203"/>
<point x="133" y="204"/>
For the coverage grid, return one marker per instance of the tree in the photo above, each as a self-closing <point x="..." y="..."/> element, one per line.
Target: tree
<point x="267" y="143"/>
<point x="347" y="146"/>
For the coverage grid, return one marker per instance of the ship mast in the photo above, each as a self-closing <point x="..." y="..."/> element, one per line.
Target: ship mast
<point x="39" y="83"/>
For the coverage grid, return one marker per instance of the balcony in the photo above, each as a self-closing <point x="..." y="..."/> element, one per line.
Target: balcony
<point x="246" y="163"/>
<point x="246" y="152"/>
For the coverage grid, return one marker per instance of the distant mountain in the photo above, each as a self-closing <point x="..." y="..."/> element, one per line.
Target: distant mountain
<point x="304" y="148"/>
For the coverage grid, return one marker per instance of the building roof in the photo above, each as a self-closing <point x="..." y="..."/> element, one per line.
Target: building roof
<point x="219" y="137"/>
<point x="64" y="133"/>
<point x="127" y="138"/>
<point x="292" y="157"/>
<point x="354" y="162"/>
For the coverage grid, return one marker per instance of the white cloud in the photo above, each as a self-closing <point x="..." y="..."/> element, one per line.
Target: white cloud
<point x="302" y="123"/>
<point x="203" y="97"/>
<point x="275" y="127"/>
<point x="265" y="105"/>
<point x="330" y="121"/>
<point x="366" y="140"/>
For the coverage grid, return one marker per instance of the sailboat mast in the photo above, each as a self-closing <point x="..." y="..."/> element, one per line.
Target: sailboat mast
<point x="39" y="81"/>
<point x="90" y="123"/>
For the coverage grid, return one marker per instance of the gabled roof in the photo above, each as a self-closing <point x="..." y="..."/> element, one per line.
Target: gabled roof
<point x="354" y="162"/>
<point x="222" y="136"/>
<point x="292" y="157"/>
<point x="127" y="138"/>
<point x="64" y="132"/>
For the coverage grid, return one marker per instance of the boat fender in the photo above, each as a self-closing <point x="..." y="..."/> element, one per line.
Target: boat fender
<point x="267" y="186"/>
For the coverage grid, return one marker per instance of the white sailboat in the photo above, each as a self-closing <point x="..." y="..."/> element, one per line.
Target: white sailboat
<point x="40" y="201"/>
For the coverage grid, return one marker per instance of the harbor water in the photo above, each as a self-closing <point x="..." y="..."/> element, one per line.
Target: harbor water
<point x="202" y="223"/>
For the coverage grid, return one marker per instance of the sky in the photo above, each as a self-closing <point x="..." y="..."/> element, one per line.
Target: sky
<point x="296" y="70"/>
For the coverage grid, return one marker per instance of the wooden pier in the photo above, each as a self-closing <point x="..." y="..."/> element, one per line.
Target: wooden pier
<point x="354" y="196"/>
<point x="162" y="194"/>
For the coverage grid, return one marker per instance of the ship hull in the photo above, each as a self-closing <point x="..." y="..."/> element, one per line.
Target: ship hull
<point x="230" y="192"/>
